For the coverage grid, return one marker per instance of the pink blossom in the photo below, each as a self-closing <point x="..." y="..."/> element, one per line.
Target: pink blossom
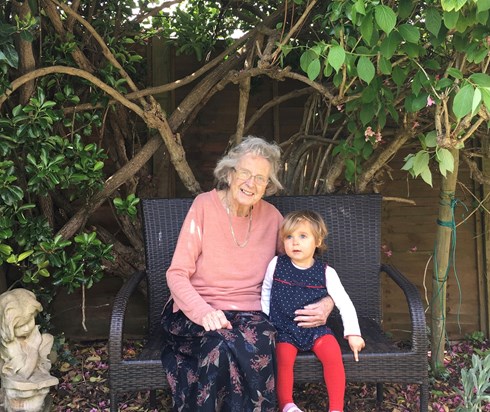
<point x="415" y="125"/>
<point x="379" y="137"/>
<point x="368" y="133"/>
<point x="430" y="102"/>
<point x="340" y="107"/>
<point x="386" y="250"/>
<point x="413" y="249"/>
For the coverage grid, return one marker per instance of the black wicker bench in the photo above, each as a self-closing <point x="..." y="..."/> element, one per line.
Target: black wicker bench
<point x="354" y="243"/>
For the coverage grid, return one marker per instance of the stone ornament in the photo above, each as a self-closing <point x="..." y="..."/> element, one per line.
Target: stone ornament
<point x="24" y="351"/>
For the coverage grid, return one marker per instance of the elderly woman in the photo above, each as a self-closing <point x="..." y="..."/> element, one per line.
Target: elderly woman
<point x="219" y="352"/>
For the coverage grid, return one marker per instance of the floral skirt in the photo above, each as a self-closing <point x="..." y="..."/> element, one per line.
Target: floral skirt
<point x="228" y="370"/>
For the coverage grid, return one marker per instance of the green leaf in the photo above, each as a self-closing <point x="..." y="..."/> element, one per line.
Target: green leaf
<point x="365" y="69"/>
<point x="118" y="202"/>
<point x="367" y="113"/>
<point x="359" y="7"/>
<point x="456" y="73"/>
<point x="445" y="159"/>
<point x="415" y="103"/>
<point x="10" y="55"/>
<point x="44" y="273"/>
<point x="385" y="66"/>
<point x="450" y="19"/>
<point x="480" y="79"/>
<point x="306" y="58"/>
<point x="410" y="33"/>
<point x="390" y="44"/>
<point x="475" y="105"/>
<point x="336" y="57"/>
<point x="427" y="176"/>
<point x="486" y="97"/>
<point x="285" y="49"/>
<point x="408" y="162"/>
<point x="431" y="139"/>
<point x="367" y="29"/>
<point x="385" y="18"/>
<point x="5" y="250"/>
<point x="433" y="21"/>
<point x="421" y="162"/>
<point x="314" y="69"/>
<point x="482" y="5"/>
<point x="405" y="8"/>
<point x="24" y="255"/>
<point x="463" y="101"/>
<point x="399" y="76"/>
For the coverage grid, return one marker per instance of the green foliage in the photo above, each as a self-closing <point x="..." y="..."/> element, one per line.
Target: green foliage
<point x="36" y="162"/>
<point x="419" y="164"/>
<point x="378" y="56"/>
<point x="9" y="58"/>
<point x="476" y="385"/>
<point x="127" y="206"/>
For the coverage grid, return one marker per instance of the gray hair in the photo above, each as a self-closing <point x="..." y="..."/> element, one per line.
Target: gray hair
<point x="258" y="147"/>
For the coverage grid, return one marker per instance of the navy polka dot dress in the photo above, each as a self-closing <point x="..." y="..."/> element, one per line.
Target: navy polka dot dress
<point x="293" y="289"/>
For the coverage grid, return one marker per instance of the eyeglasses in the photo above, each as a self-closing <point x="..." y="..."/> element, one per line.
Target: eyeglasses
<point x="244" y="174"/>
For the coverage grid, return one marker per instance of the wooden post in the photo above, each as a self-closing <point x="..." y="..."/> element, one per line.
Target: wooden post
<point x="442" y="256"/>
<point x="162" y="73"/>
<point x="484" y="273"/>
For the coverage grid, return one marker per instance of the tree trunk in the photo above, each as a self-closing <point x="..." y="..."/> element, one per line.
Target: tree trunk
<point x="442" y="262"/>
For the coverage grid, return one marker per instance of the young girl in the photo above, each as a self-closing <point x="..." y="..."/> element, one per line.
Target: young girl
<point x="293" y="281"/>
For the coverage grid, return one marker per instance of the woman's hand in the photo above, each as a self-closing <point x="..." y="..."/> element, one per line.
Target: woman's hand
<point x="215" y="320"/>
<point x="356" y="344"/>
<point x="314" y="314"/>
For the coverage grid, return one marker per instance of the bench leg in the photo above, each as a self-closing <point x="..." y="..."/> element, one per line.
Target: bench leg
<point x="153" y="399"/>
<point x="379" y="393"/>
<point x="424" y="397"/>
<point x="113" y="400"/>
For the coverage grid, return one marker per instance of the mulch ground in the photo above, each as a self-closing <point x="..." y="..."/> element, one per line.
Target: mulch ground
<point x="83" y="373"/>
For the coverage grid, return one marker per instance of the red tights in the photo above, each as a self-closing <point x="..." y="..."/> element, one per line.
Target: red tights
<point x="327" y="350"/>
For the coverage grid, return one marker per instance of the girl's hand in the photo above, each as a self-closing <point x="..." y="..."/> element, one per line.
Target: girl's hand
<point x="356" y="344"/>
<point x="215" y="320"/>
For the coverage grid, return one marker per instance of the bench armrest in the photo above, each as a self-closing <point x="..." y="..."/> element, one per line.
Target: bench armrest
<point x="118" y="313"/>
<point x="415" y="307"/>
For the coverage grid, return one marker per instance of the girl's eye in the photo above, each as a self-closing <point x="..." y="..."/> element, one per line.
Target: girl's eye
<point x="303" y="236"/>
<point x="289" y="237"/>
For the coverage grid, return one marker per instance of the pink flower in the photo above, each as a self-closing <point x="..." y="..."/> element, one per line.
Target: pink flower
<point x="340" y="107"/>
<point x="430" y="102"/>
<point x="415" y="125"/>
<point x="379" y="137"/>
<point x="386" y="250"/>
<point x="368" y="133"/>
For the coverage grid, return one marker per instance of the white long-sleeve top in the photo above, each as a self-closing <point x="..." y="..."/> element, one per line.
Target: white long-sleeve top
<point x="334" y="288"/>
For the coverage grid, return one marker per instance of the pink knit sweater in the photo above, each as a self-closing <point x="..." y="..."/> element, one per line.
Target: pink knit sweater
<point x="208" y="270"/>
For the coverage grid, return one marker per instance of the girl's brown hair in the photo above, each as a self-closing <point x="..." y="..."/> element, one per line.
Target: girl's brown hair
<point x="318" y="226"/>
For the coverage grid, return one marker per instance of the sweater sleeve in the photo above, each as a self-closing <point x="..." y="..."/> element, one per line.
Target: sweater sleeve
<point x="183" y="267"/>
<point x="265" y="296"/>
<point x="343" y="302"/>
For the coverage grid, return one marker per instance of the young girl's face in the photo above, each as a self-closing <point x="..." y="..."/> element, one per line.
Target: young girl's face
<point x="24" y="326"/>
<point x="300" y="245"/>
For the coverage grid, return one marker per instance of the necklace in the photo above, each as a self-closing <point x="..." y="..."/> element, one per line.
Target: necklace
<point x="241" y="245"/>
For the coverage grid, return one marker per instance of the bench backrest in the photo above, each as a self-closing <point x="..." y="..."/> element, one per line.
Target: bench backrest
<point x="354" y="244"/>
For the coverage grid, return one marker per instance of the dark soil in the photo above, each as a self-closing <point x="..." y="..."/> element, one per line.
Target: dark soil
<point x="83" y="373"/>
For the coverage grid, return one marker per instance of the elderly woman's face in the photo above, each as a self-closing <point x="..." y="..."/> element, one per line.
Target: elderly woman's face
<point x="249" y="179"/>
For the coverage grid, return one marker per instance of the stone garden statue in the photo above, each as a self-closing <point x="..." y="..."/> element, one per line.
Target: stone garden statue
<point x="24" y="363"/>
